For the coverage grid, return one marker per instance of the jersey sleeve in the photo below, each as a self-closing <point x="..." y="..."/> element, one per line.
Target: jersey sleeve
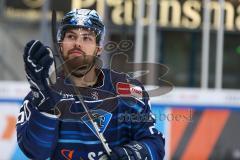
<point x="36" y="132"/>
<point x="143" y="127"/>
<point x="144" y="132"/>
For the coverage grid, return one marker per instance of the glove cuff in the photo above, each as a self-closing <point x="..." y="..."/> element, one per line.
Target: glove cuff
<point x="121" y="153"/>
<point x="138" y="150"/>
<point x="131" y="151"/>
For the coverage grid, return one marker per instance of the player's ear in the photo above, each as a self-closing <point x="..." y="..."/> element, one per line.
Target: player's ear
<point x="60" y="47"/>
<point x="99" y="50"/>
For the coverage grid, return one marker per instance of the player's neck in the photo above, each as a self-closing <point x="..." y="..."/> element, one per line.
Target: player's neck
<point x="87" y="80"/>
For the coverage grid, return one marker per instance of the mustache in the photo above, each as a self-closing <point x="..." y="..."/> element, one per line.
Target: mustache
<point x="76" y="49"/>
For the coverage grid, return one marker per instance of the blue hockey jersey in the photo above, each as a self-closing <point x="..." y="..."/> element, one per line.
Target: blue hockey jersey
<point x="119" y="105"/>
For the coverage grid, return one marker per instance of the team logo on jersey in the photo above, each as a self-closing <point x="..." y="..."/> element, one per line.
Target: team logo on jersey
<point x="127" y="89"/>
<point x="101" y="117"/>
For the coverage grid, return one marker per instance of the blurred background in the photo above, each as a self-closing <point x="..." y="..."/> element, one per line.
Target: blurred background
<point x="198" y="41"/>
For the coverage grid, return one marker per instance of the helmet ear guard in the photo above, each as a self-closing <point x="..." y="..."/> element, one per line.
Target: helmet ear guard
<point x="82" y="18"/>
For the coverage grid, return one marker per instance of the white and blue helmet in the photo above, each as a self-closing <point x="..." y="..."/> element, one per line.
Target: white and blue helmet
<point x="82" y="18"/>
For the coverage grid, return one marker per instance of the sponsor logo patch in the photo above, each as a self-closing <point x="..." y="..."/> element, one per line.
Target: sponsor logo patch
<point x="127" y="89"/>
<point x="68" y="154"/>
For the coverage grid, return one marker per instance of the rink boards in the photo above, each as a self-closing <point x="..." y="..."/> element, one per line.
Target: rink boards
<point x="203" y="124"/>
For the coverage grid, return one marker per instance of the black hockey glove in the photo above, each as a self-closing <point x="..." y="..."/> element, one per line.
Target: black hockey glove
<point x="39" y="64"/>
<point x="131" y="151"/>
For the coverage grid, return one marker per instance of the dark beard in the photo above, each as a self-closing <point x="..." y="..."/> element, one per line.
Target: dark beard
<point x="79" y="66"/>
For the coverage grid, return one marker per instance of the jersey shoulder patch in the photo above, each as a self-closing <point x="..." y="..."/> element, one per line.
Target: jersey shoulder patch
<point x="128" y="89"/>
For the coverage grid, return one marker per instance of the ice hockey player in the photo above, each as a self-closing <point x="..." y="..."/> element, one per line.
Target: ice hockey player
<point x="117" y="104"/>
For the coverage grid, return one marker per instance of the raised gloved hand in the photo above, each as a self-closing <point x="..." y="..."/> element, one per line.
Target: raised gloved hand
<point x="131" y="151"/>
<point x="39" y="64"/>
